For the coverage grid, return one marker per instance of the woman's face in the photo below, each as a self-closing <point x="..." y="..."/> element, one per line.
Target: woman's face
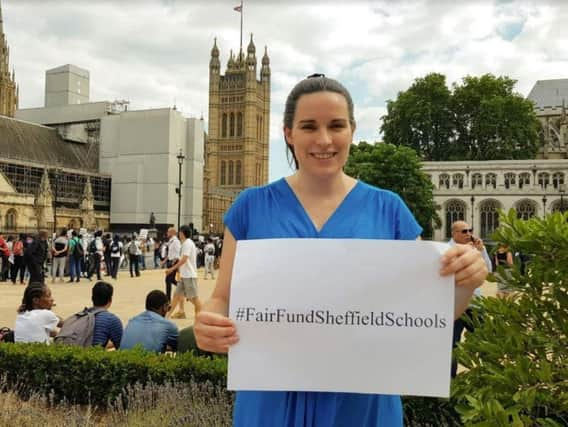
<point x="321" y="133"/>
<point x="45" y="302"/>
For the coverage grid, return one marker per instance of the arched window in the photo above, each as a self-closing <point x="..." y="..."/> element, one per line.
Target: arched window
<point x="457" y="180"/>
<point x="231" y="172"/>
<point x="11" y="219"/>
<point x="557" y="180"/>
<point x="524" y="179"/>
<point x="490" y="180"/>
<point x="543" y="180"/>
<point x="559" y="206"/>
<point x="455" y="211"/>
<point x="510" y="179"/>
<point x="489" y="219"/>
<point x="238" y="177"/>
<point x="476" y="180"/>
<point x="526" y="209"/>
<point x="223" y="172"/>
<point x="239" y="124"/>
<point x="224" y="125"/>
<point x="444" y="181"/>
<point x="232" y="125"/>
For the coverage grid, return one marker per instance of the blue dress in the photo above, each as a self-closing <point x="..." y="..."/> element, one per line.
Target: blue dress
<point x="274" y="211"/>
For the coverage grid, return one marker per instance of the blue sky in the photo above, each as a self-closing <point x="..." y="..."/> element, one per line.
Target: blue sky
<point x="155" y="53"/>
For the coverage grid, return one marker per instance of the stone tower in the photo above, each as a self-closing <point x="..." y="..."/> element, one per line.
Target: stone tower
<point x="8" y="87"/>
<point x="239" y="118"/>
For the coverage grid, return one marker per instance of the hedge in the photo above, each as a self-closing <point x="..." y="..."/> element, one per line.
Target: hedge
<point x="98" y="377"/>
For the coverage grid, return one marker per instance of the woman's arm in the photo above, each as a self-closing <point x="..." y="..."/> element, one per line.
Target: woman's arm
<point x="214" y="331"/>
<point x="509" y="258"/>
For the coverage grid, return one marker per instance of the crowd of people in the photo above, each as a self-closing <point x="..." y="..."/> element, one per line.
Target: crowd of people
<point x="30" y="258"/>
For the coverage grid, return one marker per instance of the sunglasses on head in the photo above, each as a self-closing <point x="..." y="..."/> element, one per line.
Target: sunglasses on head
<point x="467" y="230"/>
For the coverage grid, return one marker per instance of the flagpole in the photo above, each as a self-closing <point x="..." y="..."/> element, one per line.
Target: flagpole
<point x="241" y="25"/>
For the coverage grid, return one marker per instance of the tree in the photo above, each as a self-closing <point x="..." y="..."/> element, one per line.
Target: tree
<point x="480" y="119"/>
<point x="517" y="357"/>
<point x="397" y="169"/>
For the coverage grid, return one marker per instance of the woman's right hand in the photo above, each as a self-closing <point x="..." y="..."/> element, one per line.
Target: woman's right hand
<point x="214" y="332"/>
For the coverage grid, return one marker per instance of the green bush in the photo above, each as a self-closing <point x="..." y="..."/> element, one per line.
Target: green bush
<point x="517" y="358"/>
<point x="96" y="376"/>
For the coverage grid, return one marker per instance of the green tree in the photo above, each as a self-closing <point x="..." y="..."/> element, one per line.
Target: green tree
<point x="482" y="118"/>
<point x="517" y="358"/>
<point x="397" y="169"/>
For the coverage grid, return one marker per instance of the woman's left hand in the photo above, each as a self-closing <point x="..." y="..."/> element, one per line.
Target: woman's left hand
<point x="467" y="264"/>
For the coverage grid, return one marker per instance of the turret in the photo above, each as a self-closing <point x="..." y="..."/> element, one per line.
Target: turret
<point x="251" y="59"/>
<point x="265" y="70"/>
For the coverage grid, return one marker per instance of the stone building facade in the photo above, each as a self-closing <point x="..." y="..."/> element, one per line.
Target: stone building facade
<point x="236" y="149"/>
<point x="8" y="87"/>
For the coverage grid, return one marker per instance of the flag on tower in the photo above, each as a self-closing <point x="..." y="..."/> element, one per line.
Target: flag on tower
<point x="238" y="8"/>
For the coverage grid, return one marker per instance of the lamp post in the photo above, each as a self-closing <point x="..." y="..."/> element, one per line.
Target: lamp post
<point x="562" y="189"/>
<point x="472" y="202"/>
<point x="544" y="206"/>
<point x="180" y="157"/>
<point x="56" y="172"/>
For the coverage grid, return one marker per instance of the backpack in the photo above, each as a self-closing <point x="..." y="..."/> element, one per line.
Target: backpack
<point x="6" y="335"/>
<point x="92" y="248"/>
<point x="79" y="328"/>
<point x="132" y="250"/>
<point x="18" y="249"/>
<point x="210" y="250"/>
<point x="114" y="248"/>
<point x="78" y="250"/>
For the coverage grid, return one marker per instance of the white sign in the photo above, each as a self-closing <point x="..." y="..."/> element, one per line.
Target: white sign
<point x="362" y="316"/>
<point x="143" y="234"/>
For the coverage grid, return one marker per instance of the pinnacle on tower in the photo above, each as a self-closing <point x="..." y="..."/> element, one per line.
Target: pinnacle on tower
<point x="265" y="59"/>
<point x="251" y="49"/>
<point x="215" y="49"/>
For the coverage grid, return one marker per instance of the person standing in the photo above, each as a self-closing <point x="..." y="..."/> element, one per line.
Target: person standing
<point x="96" y="254"/>
<point x="36" y="254"/>
<point x="59" y="249"/>
<point x="76" y="254"/>
<point x="173" y="251"/>
<point x="187" y="286"/>
<point x="504" y="258"/>
<point x="318" y="201"/>
<point x="133" y="251"/>
<point x="107" y="240"/>
<point x="115" y="253"/>
<point x="4" y="254"/>
<point x="209" y="251"/>
<point x="19" y="265"/>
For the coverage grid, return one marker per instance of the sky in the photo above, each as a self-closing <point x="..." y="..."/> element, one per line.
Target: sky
<point x="155" y="53"/>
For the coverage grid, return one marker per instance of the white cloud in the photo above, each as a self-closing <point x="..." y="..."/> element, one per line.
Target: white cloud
<point x="156" y="52"/>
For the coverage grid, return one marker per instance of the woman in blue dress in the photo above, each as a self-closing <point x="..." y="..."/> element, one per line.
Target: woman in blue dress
<point x="318" y="201"/>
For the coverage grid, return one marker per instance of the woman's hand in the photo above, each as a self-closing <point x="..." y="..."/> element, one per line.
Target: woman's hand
<point x="467" y="264"/>
<point x="214" y="332"/>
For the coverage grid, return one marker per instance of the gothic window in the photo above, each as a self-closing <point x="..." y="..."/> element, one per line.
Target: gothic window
<point x="543" y="180"/>
<point x="489" y="218"/>
<point x="223" y="172"/>
<point x="490" y="180"/>
<point x="238" y="177"/>
<point x="556" y="206"/>
<point x="444" y="181"/>
<point x="231" y="172"/>
<point x="526" y="209"/>
<point x="257" y="127"/>
<point x="510" y="179"/>
<point x="524" y="179"/>
<point x="261" y="128"/>
<point x="455" y="211"/>
<point x="224" y="125"/>
<point x="232" y="125"/>
<point x="11" y="219"/>
<point x="457" y="180"/>
<point x="557" y="180"/>
<point x="239" y="124"/>
<point x="476" y="180"/>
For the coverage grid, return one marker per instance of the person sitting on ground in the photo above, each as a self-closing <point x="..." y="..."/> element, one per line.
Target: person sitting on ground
<point x="150" y="329"/>
<point x="108" y="327"/>
<point x="187" y="342"/>
<point x="35" y="321"/>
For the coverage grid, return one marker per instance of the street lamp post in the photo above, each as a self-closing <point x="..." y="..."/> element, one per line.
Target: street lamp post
<point x="180" y="157"/>
<point x="472" y="203"/>
<point x="562" y="189"/>
<point x="544" y="206"/>
<point x="56" y="173"/>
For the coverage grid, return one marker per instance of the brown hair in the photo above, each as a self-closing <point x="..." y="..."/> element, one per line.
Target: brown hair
<point x="312" y="84"/>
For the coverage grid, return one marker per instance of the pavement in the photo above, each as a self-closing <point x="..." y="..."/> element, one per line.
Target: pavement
<point x="128" y="300"/>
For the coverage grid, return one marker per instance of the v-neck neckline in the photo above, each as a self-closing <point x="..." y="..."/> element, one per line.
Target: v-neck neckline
<point x="305" y="214"/>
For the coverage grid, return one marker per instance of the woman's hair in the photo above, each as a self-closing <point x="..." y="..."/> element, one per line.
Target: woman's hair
<point x="313" y="84"/>
<point x="33" y="290"/>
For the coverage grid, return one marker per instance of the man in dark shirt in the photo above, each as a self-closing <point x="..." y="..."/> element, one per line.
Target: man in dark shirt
<point x="108" y="326"/>
<point x="35" y="255"/>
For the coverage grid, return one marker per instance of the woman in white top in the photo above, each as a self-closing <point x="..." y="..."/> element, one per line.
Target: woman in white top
<point x="35" y="321"/>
